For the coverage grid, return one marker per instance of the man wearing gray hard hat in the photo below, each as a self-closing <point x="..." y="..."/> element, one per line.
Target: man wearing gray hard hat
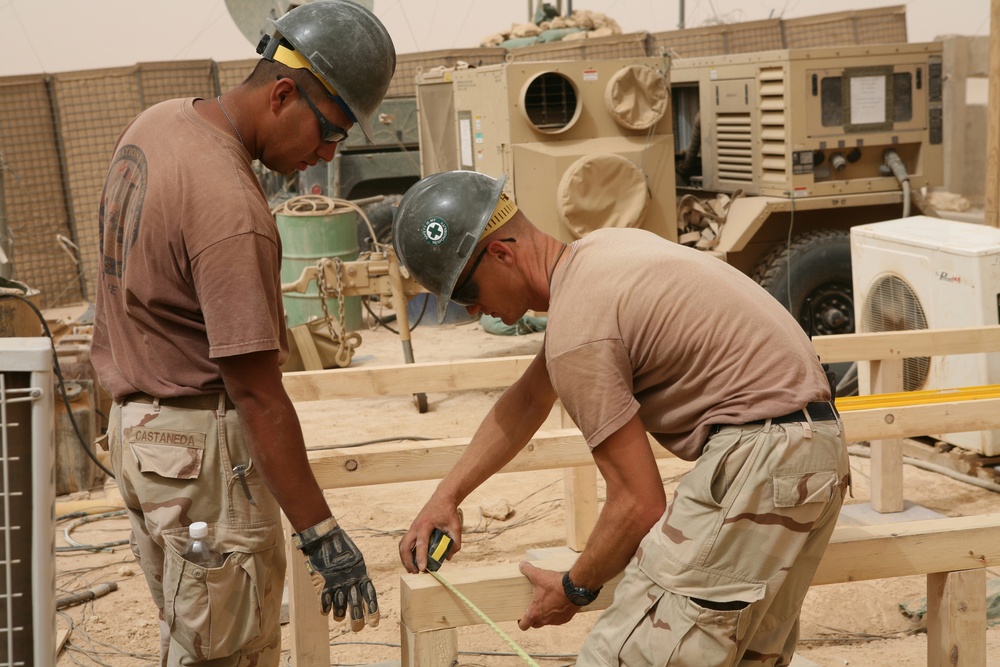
<point x="644" y="337"/>
<point x="190" y="336"/>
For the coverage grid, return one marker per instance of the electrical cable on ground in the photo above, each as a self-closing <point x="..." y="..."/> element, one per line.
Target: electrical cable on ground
<point x="78" y="546"/>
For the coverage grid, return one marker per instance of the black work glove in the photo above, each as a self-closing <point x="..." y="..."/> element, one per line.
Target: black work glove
<point x="338" y="572"/>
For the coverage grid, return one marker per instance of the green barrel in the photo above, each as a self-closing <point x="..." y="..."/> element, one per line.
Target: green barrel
<point x="309" y="234"/>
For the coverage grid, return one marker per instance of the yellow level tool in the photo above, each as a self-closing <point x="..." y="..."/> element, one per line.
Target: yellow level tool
<point x="927" y="397"/>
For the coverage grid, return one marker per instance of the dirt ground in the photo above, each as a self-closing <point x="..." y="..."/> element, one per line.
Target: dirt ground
<point x="857" y="624"/>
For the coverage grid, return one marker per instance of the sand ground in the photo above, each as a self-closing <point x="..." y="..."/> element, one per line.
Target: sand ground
<point x="858" y="624"/>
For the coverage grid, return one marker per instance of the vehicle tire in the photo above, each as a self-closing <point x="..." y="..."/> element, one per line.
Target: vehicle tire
<point x="380" y="215"/>
<point x="811" y="277"/>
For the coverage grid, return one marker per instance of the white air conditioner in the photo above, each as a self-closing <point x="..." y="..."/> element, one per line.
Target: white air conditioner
<point x="27" y="495"/>
<point x="930" y="273"/>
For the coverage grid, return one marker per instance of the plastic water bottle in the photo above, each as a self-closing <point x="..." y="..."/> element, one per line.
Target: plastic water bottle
<point x="201" y="549"/>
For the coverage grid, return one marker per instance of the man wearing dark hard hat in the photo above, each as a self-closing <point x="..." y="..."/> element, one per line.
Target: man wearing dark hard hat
<point x="645" y="336"/>
<point x="190" y="337"/>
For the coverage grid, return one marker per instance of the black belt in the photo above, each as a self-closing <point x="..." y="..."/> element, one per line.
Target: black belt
<point x="818" y="412"/>
<point x="200" y="402"/>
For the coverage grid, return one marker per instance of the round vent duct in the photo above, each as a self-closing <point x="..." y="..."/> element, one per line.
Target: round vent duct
<point x="637" y="97"/>
<point x="549" y="101"/>
<point x="601" y="190"/>
<point x="892" y="305"/>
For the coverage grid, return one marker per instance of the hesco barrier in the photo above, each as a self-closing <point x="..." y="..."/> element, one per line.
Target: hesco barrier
<point x="57" y="131"/>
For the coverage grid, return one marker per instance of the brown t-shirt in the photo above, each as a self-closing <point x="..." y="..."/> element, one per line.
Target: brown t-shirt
<point x="638" y="324"/>
<point x="190" y="258"/>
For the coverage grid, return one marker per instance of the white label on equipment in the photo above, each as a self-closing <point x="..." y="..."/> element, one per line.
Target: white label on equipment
<point x="867" y="100"/>
<point x="465" y="139"/>
<point x="590" y="75"/>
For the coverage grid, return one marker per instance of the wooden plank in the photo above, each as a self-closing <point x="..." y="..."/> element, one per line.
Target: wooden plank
<point x="565" y="448"/>
<point x="956" y="618"/>
<point x="61" y="636"/>
<point x="581" y="505"/>
<point x="307" y="348"/>
<point x="905" y="344"/>
<point x="580" y="485"/>
<point x="855" y="553"/>
<point x="913" y="420"/>
<point x="385" y="463"/>
<point x="309" y="630"/>
<point x="887" y="457"/>
<point x="419" y="649"/>
<point x="402" y="379"/>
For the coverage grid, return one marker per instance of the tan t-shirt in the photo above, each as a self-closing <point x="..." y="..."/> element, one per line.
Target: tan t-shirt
<point x="638" y="324"/>
<point x="190" y="258"/>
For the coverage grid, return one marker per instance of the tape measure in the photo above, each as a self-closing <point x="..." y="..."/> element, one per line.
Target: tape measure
<point x="437" y="551"/>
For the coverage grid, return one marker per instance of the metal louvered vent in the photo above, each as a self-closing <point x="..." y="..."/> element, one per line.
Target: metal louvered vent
<point x="892" y="305"/>
<point x="735" y="147"/>
<point x="774" y="143"/>
<point x="550" y="102"/>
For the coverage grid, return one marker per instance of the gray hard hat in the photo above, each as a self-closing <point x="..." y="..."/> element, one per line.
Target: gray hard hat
<point x="345" y="46"/>
<point x="438" y="224"/>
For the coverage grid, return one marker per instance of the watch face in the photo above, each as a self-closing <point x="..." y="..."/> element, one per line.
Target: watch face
<point x="578" y="595"/>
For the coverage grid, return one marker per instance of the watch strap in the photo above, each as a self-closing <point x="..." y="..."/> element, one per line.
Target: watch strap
<point x="578" y="595"/>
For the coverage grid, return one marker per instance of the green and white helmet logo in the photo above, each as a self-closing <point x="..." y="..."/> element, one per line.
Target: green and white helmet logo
<point x="435" y="231"/>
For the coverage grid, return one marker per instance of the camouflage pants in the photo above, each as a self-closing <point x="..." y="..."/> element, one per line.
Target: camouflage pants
<point x="175" y="466"/>
<point x="720" y="579"/>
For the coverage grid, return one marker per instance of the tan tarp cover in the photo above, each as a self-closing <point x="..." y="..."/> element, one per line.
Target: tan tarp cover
<point x="636" y="97"/>
<point x="601" y="190"/>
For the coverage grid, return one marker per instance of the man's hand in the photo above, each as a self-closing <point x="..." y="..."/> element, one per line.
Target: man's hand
<point x="549" y="604"/>
<point x="435" y="514"/>
<point x="338" y="573"/>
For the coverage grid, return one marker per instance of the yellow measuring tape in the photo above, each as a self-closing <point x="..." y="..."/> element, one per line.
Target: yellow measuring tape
<point x="486" y="619"/>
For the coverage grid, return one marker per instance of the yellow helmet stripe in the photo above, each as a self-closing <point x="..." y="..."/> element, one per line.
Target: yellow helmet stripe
<point x="296" y="60"/>
<point x="502" y="213"/>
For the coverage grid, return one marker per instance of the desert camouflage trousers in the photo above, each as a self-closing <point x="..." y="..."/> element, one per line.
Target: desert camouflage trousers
<point x="175" y="466"/>
<point x="720" y="579"/>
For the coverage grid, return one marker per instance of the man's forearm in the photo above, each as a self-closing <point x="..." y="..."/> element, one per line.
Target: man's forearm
<point x="277" y="449"/>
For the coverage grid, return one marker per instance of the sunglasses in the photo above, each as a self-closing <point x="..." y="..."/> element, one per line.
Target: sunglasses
<point x="331" y="133"/>
<point x="467" y="293"/>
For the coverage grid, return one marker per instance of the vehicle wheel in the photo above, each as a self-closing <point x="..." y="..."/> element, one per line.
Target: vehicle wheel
<point x="380" y="215"/>
<point x="812" y="279"/>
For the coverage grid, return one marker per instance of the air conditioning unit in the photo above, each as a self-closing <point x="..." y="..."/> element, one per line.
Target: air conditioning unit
<point x="585" y="144"/>
<point x="27" y="492"/>
<point x="929" y="273"/>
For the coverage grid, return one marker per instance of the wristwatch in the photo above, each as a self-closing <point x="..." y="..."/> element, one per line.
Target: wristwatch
<point x="578" y="595"/>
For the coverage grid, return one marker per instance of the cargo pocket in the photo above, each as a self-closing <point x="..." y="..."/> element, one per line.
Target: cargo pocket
<point x="213" y="612"/>
<point x="793" y="490"/>
<point x="702" y="636"/>
<point x="170" y="454"/>
<point x="644" y="642"/>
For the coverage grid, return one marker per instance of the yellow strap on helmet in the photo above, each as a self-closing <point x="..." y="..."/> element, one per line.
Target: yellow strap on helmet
<point x="502" y="213"/>
<point x="296" y="60"/>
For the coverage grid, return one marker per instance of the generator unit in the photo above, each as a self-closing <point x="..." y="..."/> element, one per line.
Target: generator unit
<point x="811" y="122"/>
<point x="584" y="144"/>
<point x="929" y="273"/>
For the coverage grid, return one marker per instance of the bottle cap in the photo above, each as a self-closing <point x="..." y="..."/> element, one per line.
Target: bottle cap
<point x="198" y="529"/>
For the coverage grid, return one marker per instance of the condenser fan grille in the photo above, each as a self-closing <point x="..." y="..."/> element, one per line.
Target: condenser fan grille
<point x="891" y="305"/>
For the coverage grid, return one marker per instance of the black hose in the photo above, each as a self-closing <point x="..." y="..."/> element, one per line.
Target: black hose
<point x="62" y="382"/>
